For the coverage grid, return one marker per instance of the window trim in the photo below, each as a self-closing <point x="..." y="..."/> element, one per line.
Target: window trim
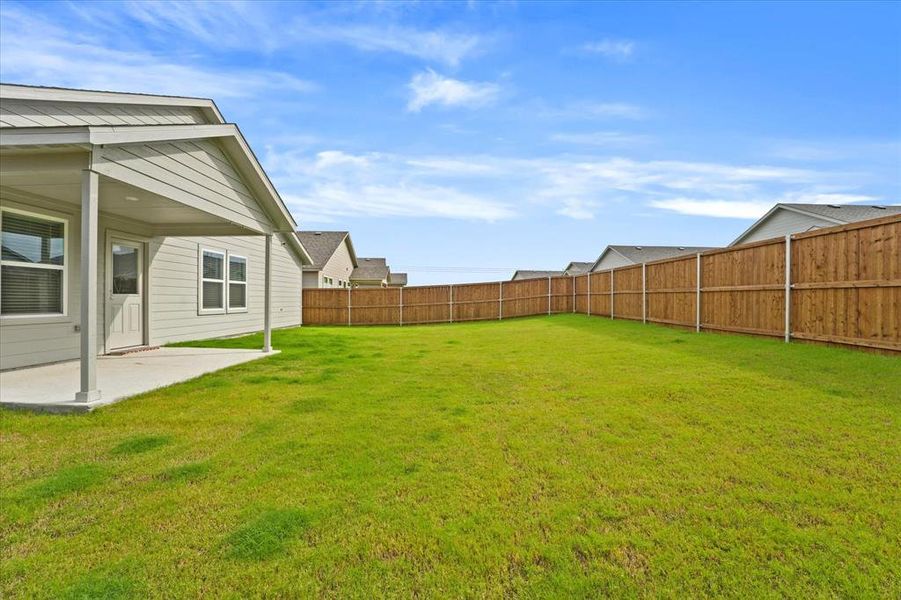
<point x="64" y="267"/>
<point x="201" y="280"/>
<point x="228" y="278"/>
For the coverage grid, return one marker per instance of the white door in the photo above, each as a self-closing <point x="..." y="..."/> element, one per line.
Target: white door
<point x="125" y="310"/>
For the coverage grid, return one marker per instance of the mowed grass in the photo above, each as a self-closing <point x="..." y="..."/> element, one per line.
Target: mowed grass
<point x="549" y="457"/>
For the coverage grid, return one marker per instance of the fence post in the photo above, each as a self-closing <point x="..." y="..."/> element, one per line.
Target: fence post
<point x="572" y="280"/>
<point x="644" y="293"/>
<point x="401" y="306"/>
<point x="611" y="292"/>
<point x="348" y="307"/>
<point x="500" y="300"/>
<point x="698" y="295"/>
<point x="588" y="295"/>
<point x="788" y="287"/>
<point x="450" y="304"/>
<point x="548" y="294"/>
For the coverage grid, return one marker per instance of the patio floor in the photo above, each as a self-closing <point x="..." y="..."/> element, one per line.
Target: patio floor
<point x="52" y="388"/>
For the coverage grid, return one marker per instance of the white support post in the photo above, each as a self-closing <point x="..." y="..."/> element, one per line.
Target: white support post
<point x="788" y="288"/>
<point x="450" y="305"/>
<point x="90" y="207"/>
<point x="500" y="300"/>
<point x="588" y="295"/>
<point x="348" y="306"/>
<point x="267" y="296"/>
<point x="611" y="293"/>
<point x="401" y="306"/>
<point x="548" y="294"/>
<point x="698" y="294"/>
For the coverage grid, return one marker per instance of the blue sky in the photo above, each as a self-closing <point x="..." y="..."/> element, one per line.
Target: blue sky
<point x="462" y="141"/>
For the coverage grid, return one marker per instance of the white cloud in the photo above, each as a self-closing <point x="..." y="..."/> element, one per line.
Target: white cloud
<point x="602" y="138"/>
<point x="429" y="87"/>
<point x="619" y="50"/>
<point x="752" y="209"/>
<point x="32" y="51"/>
<point x="591" y="110"/>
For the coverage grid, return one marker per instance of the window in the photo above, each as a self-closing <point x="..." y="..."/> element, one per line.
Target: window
<point x="237" y="283"/>
<point x="212" y="285"/>
<point x="32" y="264"/>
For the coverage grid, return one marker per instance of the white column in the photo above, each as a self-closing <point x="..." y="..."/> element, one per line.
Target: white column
<point x="788" y="288"/>
<point x="90" y="206"/>
<point x="267" y="296"/>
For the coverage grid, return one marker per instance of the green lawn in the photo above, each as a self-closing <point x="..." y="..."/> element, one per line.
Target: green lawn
<point x="560" y="456"/>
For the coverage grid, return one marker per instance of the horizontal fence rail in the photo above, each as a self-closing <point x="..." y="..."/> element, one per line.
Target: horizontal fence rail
<point x="839" y="285"/>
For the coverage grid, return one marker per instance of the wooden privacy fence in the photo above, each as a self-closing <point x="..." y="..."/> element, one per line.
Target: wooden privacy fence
<point x="840" y="285"/>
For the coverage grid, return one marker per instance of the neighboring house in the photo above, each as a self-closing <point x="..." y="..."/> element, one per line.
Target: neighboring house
<point x="397" y="279"/>
<point x="333" y="257"/>
<point x="577" y="268"/>
<point x="525" y="274"/>
<point x="622" y="256"/>
<point x="784" y="219"/>
<point x="131" y="220"/>
<point x="370" y="272"/>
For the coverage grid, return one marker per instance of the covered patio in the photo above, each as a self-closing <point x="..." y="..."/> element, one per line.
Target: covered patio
<point x="53" y="388"/>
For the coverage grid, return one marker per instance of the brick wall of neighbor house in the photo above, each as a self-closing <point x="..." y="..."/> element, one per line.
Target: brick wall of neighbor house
<point x="173" y="288"/>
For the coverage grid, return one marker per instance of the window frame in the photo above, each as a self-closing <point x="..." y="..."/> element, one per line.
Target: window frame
<point x="64" y="267"/>
<point x="201" y="280"/>
<point x="229" y="282"/>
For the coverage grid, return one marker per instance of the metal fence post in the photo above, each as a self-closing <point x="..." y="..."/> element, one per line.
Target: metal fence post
<point x="788" y="287"/>
<point x="348" y="307"/>
<point x="450" y="304"/>
<point x="698" y="295"/>
<point x="611" y="292"/>
<point x="401" y="306"/>
<point x="500" y="300"/>
<point x="548" y="294"/>
<point x="588" y="295"/>
<point x="644" y="293"/>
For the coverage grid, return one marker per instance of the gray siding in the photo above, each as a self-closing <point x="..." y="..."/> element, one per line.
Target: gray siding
<point x="172" y="291"/>
<point x="312" y="279"/>
<point x="194" y="172"/>
<point x="781" y="223"/>
<point x="612" y="260"/>
<point x="37" y="113"/>
<point x="173" y="288"/>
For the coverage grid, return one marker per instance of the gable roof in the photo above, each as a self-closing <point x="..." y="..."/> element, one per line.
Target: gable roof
<point x="838" y="214"/>
<point x="228" y="135"/>
<point x="642" y="254"/>
<point x="397" y="279"/>
<point x="528" y="274"/>
<point x="370" y="269"/>
<point x="578" y="267"/>
<point x="321" y="245"/>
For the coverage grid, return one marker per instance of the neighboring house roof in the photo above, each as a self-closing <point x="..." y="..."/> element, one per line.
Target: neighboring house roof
<point x="575" y="268"/>
<point x="397" y="279"/>
<point x="321" y="245"/>
<point x="838" y="214"/>
<point x="642" y="254"/>
<point x="231" y="139"/>
<point x="370" y="269"/>
<point x="526" y="274"/>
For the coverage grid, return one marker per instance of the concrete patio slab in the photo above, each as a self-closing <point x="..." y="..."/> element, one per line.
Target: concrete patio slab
<point x="52" y="388"/>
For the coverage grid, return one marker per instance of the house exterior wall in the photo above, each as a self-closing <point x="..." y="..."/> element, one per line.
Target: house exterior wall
<point x="339" y="266"/>
<point x="38" y="113"/>
<point x="171" y="284"/>
<point x="312" y="279"/>
<point x="195" y="172"/>
<point x="174" y="314"/>
<point x="781" y="223"/>
<point x="611" y="260"/>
